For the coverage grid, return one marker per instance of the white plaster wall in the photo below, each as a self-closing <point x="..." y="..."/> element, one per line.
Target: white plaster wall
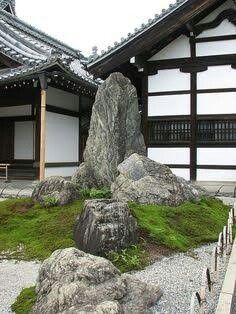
<point x="216" y="175"/>
<point x="216" y="156"/>
<point x="215" y="48"/>
<point x="62" y="99"/>
<point x="225" y="28"/>
<point x="169" y="80"/>
<point x="62" y="138"/>
<point x="222" y="76"/>
<point x="15" y="111"/>
<point x="170" y="155"/>
<point x="179" y="48"/>
<point x="184" y="173"/>
<point x="60" y="171"/>
<point x="227" y="5"/>
<point x="24" y="140"/>
<point x="169" y="105"/>
<point x="216" y="103"/>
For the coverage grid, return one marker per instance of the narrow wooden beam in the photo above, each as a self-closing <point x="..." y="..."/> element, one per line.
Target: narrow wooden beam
<point x="42" y="134"/>
<point x="144" y="97"/>
<point x="193" y="145"/>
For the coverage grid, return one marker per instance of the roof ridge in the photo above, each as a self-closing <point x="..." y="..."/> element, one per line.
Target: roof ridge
<point x="28" y="28"/>
<point x="138" y="31"/>
<point x="5" y="3"/>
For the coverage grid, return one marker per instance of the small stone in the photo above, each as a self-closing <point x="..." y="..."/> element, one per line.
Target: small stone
<point x="104" y="226"/>
<point x="64" y="192"/>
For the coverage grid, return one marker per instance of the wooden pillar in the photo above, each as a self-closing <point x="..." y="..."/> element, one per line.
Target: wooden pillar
<point x="193" y="145"/>
<point x="42" y="134"/>
<point x="43" y="103"/>
<point x="144" y="95"/>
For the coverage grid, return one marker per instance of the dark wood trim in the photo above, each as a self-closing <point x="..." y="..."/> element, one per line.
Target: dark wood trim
<point x="229" y="14"/>
<point x="217" y="167"/>
<point x="216" y="90"/>
<point x="217" y="144"/>
<point x="168" y="64"/>
<point x="229" y="116"/>
<point x="144" y="99"/>
<point x="199" y="117"/>
<point x="215" y="38"/>
<point x="169" y="93"/>
<point x="193" y="69"/>
<point x="168" y="145"/>
<point x="181" y="166"/>
<point x="169" y="118"/>
<point x="25" y="96"/>
<point x="61" y="164"/>
<point x="193" y="113"/>
<point x="62" y="111"/>
<point x="198" y="91"/>
<point x="18" y="118"/>
<point x="8" y="62"/>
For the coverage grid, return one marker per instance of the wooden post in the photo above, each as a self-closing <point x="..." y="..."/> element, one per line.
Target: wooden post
<point x="42" y="134"/>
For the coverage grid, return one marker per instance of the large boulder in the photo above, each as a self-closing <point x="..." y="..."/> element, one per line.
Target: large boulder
<point x="71" y="281"/>
<point x="114" y="132"/>
<point x="104" y="226"/>
<point x="145" y="181"/>
<point x="57" y="188"/>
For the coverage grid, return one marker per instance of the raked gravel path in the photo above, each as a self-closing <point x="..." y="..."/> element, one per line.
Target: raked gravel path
<point x="179" y="276"/>
<point x="14" y="276"/>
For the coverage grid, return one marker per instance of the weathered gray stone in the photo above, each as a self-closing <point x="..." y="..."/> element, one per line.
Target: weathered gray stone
<point x="114" y="132"/>
<point x="71" y="281"/>
<point x="145" y="181"/>
<point x="61" y="190"/>
<point x="104" y="226"/>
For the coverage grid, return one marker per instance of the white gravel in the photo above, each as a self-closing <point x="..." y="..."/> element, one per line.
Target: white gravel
<point x="14" y="276"/>
<point x="179" y="276"/>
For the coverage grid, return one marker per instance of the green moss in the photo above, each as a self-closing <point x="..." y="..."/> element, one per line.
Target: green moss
<point x="185" y="226"/>
<point x="40" y="231"/>
<point x="25" y="301"/>
<point x="43" y="230"/>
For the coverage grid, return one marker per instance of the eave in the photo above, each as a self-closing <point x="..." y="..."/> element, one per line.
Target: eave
<point x="150" y="37"/>
<point x="55" y="71"/>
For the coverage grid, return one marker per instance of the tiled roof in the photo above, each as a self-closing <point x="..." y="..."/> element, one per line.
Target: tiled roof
<point x="35" y="50"/>
<point x="138" y="31"/>
<point x="5" y="3"/>
<point x="25" y="71"/>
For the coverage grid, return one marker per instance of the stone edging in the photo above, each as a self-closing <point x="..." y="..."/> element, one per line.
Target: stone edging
<point x="226" y="299"/>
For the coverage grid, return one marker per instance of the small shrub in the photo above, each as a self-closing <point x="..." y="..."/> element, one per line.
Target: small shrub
<point x="132" y="258"/>
<point x="101" y="193"/>
<point x="95" y="193"/>
<point x="84" y="193"/>
<point x="50" y="201"/>
<point x="25" y="301"/>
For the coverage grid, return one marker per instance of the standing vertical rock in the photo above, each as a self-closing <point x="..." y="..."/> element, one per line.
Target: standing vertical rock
<point x="114" y="132"/>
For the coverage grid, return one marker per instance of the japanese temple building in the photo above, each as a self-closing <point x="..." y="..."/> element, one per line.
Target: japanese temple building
<point x="46" y="96"/>
<point x="183" y="64"/>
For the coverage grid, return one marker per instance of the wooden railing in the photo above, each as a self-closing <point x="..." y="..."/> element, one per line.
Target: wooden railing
<point x="5" y="168"/>
<point x="210" y="277"/>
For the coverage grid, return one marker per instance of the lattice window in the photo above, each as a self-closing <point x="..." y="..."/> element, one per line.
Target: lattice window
<point x="179" y="131"/>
